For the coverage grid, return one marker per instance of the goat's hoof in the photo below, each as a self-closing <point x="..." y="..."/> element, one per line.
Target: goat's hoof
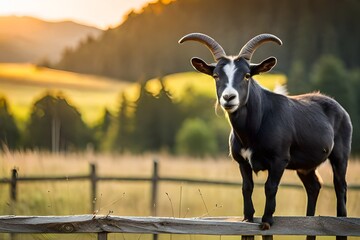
<point x="265" y="226"/>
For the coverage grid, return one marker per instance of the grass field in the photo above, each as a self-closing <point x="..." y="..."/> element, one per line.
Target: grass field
<point x="23" y="84"/>
<point x="132" y="199"/>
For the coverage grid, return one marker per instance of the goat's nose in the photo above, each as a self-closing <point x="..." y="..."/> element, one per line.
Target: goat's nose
<point x="229" y="97"/>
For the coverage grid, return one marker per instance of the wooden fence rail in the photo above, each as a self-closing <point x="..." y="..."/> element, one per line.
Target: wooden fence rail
<point x="154" y="179"/>
<point x="102" y="225"/>
<point x="315" y="226"/>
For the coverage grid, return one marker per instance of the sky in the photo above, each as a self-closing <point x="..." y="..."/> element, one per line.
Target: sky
<point x="98" y="13"/>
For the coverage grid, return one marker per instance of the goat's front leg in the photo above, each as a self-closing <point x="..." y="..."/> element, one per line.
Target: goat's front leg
<point x="271" y="186"/>
<point x="247" y="190"/>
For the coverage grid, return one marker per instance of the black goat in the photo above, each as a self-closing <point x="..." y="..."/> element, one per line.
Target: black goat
<point x="274" y="132"/>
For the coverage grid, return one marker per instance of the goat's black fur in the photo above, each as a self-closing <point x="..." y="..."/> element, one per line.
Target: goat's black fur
<point x="294" y="133"/>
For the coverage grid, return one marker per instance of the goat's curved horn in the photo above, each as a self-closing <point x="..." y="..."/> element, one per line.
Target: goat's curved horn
<point x="250" y="47"/>
<point x="214" y="47"/>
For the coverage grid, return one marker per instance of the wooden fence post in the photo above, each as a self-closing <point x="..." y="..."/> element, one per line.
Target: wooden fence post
<point x="154" y="190"/>
<point x="13" y="195"/>
<point x="245" y="237"/>
<point x="13" y="184"/>
<point x="102" y="236"/>
<point x="93" y="180"/>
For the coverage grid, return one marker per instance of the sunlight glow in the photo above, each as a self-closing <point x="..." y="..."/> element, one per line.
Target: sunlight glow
<point x="98" y="13"/>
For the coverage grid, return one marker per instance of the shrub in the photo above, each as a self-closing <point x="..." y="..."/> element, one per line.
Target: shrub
<point x="196" y="138"/>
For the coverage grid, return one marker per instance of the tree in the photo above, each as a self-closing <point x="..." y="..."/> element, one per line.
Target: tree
<point x="144" y="45"/>
<point x="123" y="138"/>
<point x="106" y="122"/>
<point x="330" y="76"/>
<point x="9" y="132"/>
<point x="56" y="125"/>
<point x="221" y="129"/>
<point x="201" y="106"/>
<point x="354" y="77"/>
<point x="103" y="130"/>
<point x="156" y="121"/>
<point x="196" y="138"/>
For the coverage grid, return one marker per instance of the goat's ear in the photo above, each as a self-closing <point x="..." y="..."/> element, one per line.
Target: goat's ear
<point x="264" y="66"/>
<point x="202" y="66"/>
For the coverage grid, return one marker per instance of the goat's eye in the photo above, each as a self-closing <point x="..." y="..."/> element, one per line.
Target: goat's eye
<point x="216" y="77"/>
<point x="247" y="76"/>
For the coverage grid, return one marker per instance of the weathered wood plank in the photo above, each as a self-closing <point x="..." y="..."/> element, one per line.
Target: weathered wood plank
<point x="320" y="226"/>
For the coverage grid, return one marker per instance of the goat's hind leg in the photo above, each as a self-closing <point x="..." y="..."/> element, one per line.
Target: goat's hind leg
<point x="339" y="166"/>
<point x="312" y="184"/>
<point x="339" y="160"/>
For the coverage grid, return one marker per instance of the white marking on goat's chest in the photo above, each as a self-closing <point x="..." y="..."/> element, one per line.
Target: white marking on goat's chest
<point x="246" y="154"/>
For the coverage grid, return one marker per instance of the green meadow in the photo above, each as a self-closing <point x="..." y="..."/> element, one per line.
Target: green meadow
<point x="23" y="84"/>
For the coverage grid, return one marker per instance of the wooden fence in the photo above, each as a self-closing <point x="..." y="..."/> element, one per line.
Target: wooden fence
<point x="155" y="179"/>
<point x="210" y="226"/>
<point x="102" y="225"/>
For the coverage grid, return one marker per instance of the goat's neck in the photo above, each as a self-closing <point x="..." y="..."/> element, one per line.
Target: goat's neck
<point x="246" y="121"/>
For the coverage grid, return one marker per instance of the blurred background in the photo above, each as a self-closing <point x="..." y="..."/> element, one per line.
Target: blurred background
<point x="115" y="71"/>
<point x="107" y="82"/>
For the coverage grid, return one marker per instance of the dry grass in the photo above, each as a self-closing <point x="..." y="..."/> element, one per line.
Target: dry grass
<point x="124" y="198"/>
<point x="30" y="163"/>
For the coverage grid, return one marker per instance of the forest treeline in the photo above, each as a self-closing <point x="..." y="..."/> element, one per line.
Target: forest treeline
<point x="146" y="44"/>
<point x="156" y="121"/>
<point x="152" y="123"/>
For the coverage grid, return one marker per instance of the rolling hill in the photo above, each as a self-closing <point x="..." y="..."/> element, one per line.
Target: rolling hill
<point x="23" y="84"/>
<point x="26" y="39"/>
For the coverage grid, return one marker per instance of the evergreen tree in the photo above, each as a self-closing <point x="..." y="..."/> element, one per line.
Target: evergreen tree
<point x="102" y="130"/>
<point x="156" y="121"/>
<point x="123" y="140"/>
<point x="145" y="122"/>
<point x="145" y="45"/>
<point x="9" y="132"/>
<point x="56" y="125"/>
<point x="106" y="122"/>
<point x="169" y="120"/>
